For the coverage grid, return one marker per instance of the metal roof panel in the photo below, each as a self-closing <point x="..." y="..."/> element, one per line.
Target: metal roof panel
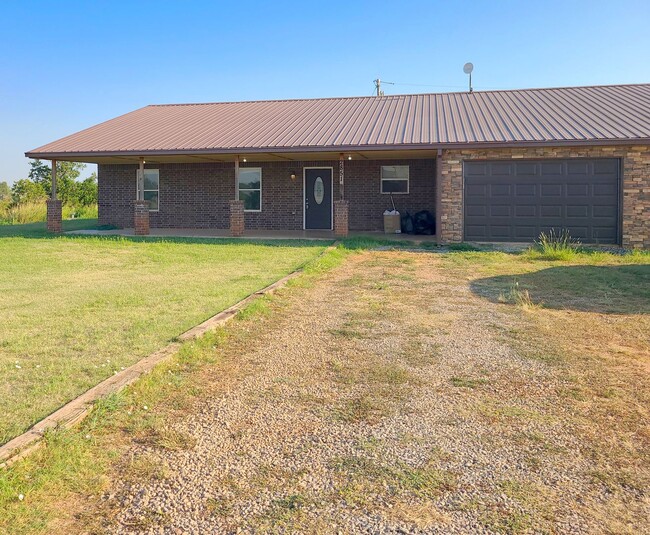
<point x="572" y="114"/>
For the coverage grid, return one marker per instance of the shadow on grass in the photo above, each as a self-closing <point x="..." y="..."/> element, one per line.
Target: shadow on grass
<point x="621" y="289"/>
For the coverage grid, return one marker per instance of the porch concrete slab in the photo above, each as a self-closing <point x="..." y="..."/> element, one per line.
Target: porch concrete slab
<point x="255" y="234"/>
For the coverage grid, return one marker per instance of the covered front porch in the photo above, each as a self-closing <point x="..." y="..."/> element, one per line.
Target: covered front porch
<point x="265" y="196"/>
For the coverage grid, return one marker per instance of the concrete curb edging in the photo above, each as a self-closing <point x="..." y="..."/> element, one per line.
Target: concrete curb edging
<point x="76" y="410"/>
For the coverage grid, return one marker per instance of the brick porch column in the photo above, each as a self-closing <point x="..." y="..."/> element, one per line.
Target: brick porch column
<point x="341" y="216"/>
<point x="237" y="218"/>
<point x="141" y="217"/>
<point x="54" y="215"/>
<point x="450" y="199"/>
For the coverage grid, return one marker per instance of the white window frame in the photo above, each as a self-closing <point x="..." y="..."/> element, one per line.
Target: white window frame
<point x="247" y="189"/>
<point x="137" y="186"/>
<point x="407" y="179"/>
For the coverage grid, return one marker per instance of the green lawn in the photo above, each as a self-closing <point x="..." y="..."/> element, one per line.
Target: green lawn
<point x="75" y="310"/>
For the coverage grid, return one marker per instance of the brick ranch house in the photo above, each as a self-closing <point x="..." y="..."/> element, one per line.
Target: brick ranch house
<point x="491" y="165"/>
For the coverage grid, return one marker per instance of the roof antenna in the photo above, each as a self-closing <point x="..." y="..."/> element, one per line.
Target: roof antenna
<point x="467" y="69"/>
<point x="377" y="83"/>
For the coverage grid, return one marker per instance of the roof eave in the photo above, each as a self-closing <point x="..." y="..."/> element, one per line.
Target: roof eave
<point x="71" y="156"/>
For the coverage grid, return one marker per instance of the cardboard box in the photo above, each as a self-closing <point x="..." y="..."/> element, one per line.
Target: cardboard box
<point x="392" y="223"/>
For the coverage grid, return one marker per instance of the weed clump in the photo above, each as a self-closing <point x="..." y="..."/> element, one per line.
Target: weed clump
<point x="557" y="245"/>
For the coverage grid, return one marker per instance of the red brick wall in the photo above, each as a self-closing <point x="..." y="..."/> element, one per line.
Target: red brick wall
<point x="198" y="195"/>
<point x="367" y="204"/>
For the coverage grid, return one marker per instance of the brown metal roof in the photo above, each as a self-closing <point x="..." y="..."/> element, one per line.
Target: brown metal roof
<point x="594" y="114"/>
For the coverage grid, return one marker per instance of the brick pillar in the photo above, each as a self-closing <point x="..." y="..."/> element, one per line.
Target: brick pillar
<point x="341" y="214"/>
<point x="54" y="215"/>
<point x="237" y="218"/>
<point x="141" y="217"/>
<point x="450" y="199"/>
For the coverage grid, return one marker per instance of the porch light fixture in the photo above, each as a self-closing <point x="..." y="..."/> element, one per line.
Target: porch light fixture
<point x="244" y="160"/>
<point x="292" y="176"/>
<point x="349" y="156"/>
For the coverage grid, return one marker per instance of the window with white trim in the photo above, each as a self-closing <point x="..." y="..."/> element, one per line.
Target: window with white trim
<point x="151" y="191"/>
<point x="394" y="178"/>
<point x="250" y="188"/>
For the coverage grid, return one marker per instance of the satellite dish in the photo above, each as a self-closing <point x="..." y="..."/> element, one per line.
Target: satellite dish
<point x="468" y="68"/>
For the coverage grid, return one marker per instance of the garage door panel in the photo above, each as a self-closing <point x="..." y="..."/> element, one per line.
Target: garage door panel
<point x="604" y="233"/>
<point x="501" y="169"/>
<point x="499" y="231"/>
<point x="500" y="190"/>
<point x="577" y="190"/>
<point x="552" y="169"/>
<point x="580" y="233"/>
<point x="526" y="232"/>
<point x="521" y="199"/>
<point x="526" y="168"/>
<point x="501" y="210"/>
<point x="522" y="210"/>
<point x="550" y="210"/>
<point x="551" y="190"/>
<point x="478" y="190"/>
<point x="525" y="190"/>
<point x="476" y="210"/>
<point x="605" y="167"/>
<point x="477" y="230"/>
<point x="606" y="190"/>
<point x="476" y="169"/>
<point x="607" y="211"/>
<point x="578" y="168"/>
<point x="577" y="211"/>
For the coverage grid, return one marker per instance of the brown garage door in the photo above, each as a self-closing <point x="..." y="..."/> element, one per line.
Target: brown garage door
<point x="516" y="200"/>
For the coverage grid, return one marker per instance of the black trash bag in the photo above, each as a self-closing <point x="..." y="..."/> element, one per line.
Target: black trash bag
<point x="424" y="223"/>
<point x="406" y="222"/>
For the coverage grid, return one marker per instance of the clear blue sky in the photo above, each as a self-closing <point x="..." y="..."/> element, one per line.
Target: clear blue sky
<point x="68" y="65"/>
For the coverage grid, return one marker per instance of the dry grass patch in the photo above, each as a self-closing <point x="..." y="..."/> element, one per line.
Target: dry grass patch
<point x="467" y="382"/>
<point x="421" y="515"/>
<point x="144" y="467"/>
<point x="418" y="350"/>
<point x="172" y="439"/>
<point x="362" y="478"/>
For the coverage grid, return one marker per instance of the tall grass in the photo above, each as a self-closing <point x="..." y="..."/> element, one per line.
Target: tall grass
<point x="80" y="212"/>
<point x="35" y="212"/>
<point x="557" y="245"/>
<point x="23" y="213"/>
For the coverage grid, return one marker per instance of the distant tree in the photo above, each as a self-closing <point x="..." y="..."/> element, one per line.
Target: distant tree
<point x="26" y="190"/>
<point x="67" y="174"/>
<point x="87" y="191"/>
<point x="5" y="191"/>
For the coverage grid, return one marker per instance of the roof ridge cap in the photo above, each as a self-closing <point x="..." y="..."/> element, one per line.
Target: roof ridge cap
<point x="400" y="95"/>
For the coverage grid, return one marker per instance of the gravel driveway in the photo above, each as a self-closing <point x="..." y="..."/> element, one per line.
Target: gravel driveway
<point x="387" y="398"/>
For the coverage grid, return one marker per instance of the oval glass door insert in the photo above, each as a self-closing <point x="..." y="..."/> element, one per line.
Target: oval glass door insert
<point x="319" y="190"/>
